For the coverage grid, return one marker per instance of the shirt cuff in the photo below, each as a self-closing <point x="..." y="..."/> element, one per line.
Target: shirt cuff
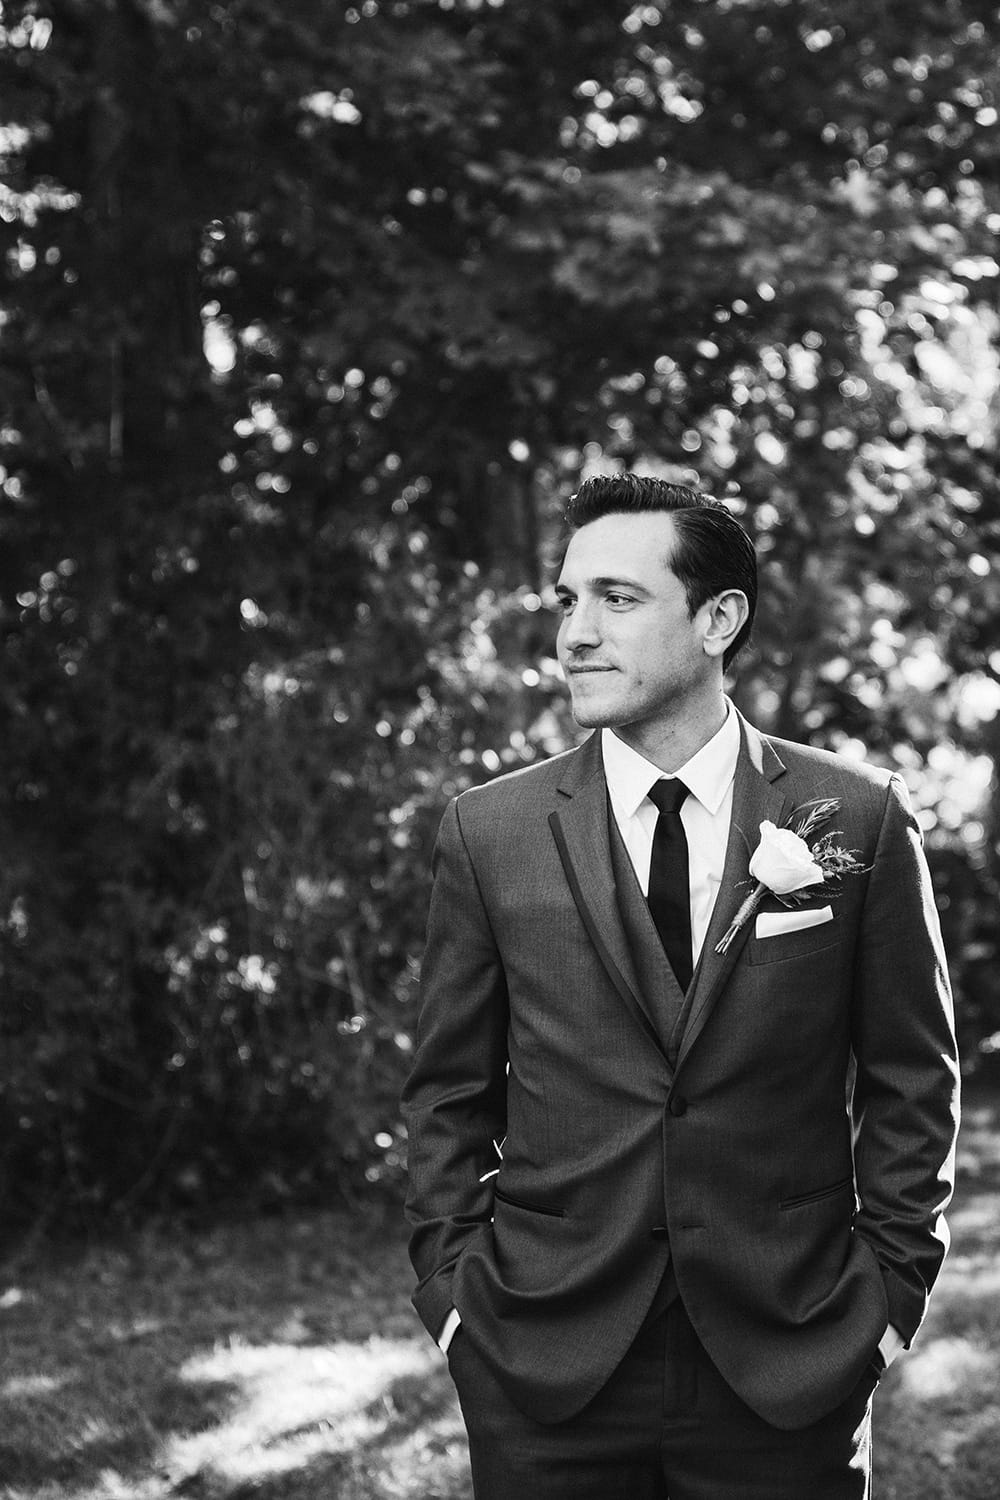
<point x="889" y="1346"/>
<point x="451" y="1324"/>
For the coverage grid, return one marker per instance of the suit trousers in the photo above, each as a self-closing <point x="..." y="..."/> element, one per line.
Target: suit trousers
<point x="666" y="1426"/>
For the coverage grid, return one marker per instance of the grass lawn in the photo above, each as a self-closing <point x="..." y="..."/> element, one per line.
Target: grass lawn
<point x="278" y="1359"/>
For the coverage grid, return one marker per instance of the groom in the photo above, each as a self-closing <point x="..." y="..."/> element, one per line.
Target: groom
<point x="675" y="1208"/>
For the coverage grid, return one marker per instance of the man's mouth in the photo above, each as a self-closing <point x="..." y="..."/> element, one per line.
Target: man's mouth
<point x="579" y="671"/>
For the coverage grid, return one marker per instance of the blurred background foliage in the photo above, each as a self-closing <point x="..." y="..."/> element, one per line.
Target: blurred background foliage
<point x="313" y="315"/>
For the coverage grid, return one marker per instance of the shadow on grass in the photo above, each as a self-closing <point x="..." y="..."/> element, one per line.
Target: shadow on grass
<point x="41" y="1452"/>
<point x="280" y="1360"/>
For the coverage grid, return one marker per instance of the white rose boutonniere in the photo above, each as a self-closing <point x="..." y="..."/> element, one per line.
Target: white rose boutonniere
<point x="783" y="862"/>
<point x="787" y="866"/>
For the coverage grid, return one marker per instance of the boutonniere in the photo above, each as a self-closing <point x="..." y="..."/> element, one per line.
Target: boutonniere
<point x="786" y="865"/>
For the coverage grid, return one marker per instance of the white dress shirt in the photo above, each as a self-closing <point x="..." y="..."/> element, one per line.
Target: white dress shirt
<point x="706" y="813"/>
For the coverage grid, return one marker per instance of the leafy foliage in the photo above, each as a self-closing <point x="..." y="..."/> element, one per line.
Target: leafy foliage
<point x="313" y="318"/>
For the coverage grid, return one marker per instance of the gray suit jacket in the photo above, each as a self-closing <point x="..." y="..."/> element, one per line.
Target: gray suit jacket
<point x="639" y="1124"/>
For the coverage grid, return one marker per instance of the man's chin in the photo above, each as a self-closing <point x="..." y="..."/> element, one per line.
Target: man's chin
<point x="593" y="716"/>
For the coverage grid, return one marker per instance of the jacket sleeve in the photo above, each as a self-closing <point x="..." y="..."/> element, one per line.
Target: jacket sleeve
<point x="905" y="1101"/>
<point x="455" y="1099"/>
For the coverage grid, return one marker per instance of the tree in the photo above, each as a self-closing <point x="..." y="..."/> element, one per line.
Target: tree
<point x="312" y="321"/>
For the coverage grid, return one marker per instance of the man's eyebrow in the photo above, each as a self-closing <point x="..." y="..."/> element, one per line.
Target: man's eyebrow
<point x="605" y="583"/>
<point x="619" y="583"/>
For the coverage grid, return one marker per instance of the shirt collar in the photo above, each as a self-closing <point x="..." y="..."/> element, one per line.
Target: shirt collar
<point x="707" y="775"/>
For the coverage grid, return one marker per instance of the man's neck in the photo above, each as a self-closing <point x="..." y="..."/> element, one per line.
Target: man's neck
<point x="670" y="743"/>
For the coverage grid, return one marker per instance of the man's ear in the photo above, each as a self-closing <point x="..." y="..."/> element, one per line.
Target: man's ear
<point x="727" y="614"/>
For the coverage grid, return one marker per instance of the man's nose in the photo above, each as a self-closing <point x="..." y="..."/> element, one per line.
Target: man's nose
<point x="580" y="628"/>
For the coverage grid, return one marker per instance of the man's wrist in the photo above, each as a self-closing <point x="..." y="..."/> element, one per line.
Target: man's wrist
<point x="450" y="1327"/>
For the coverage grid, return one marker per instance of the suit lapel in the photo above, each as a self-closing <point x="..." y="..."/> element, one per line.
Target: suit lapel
<point x="580" y="829"/>
<point x="757" y="794"/>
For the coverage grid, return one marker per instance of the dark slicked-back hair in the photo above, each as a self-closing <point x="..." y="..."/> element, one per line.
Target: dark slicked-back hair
<point x="713" y="552"/>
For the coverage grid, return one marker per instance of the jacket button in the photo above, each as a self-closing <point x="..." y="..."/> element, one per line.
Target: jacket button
<point x="678" y="1105"/>
<point x="660" y="1232"/>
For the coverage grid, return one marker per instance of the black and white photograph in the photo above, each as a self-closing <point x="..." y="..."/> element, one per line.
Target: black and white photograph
<point x="500" y="722"/>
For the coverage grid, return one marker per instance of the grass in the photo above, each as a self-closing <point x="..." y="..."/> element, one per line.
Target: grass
<point x="279" y="1359"/>
<point x="267" y="1359"/>
<point x="938" y="1413"/>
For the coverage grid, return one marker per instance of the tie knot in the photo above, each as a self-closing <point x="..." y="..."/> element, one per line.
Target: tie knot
<point x="668" y="795"/>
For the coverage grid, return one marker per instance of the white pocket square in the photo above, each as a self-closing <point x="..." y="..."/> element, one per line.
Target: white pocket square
<point x="774" y="923"/>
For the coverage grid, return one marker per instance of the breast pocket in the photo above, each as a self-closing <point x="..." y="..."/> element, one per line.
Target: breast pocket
<point x="785" y="946"/>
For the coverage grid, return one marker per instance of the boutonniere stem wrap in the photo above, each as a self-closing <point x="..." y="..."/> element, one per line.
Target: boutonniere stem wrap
<point x="786" y="865"/>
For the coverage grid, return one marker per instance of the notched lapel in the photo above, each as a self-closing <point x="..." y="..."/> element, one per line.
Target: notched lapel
<point x="757" y="795"/>
<point x="580" y="829"/>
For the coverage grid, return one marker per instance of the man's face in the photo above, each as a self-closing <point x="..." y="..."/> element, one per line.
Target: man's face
<point x="632" y="654"/>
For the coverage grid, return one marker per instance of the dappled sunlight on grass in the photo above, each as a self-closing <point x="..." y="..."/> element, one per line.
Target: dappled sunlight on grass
<point x="293" y="1404"/>
<point x="937" y="1414"/>
<point x="941" y="1368"/>
<point x="277" y="1358"/>
<point x="31" y="1385"/>
<point x="979" y="1142"/>
<point x="976" y="1215"/>
<point x="971" y="1277"/>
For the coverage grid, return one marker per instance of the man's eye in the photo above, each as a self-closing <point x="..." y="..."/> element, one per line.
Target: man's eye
<point x="564" y="603"/>
<point x="621" y="600"/>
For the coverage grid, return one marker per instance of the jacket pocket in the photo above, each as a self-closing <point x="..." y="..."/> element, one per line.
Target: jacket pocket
<point x="531" y="1208"/>
<point x="807" y="942"/>
<point x="818" y="1194"/>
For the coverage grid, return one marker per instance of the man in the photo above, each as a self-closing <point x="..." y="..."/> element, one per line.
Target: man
<point x="664" y="1258"/>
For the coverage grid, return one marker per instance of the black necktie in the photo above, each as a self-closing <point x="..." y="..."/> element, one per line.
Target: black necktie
<point x="669" y="887"/>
